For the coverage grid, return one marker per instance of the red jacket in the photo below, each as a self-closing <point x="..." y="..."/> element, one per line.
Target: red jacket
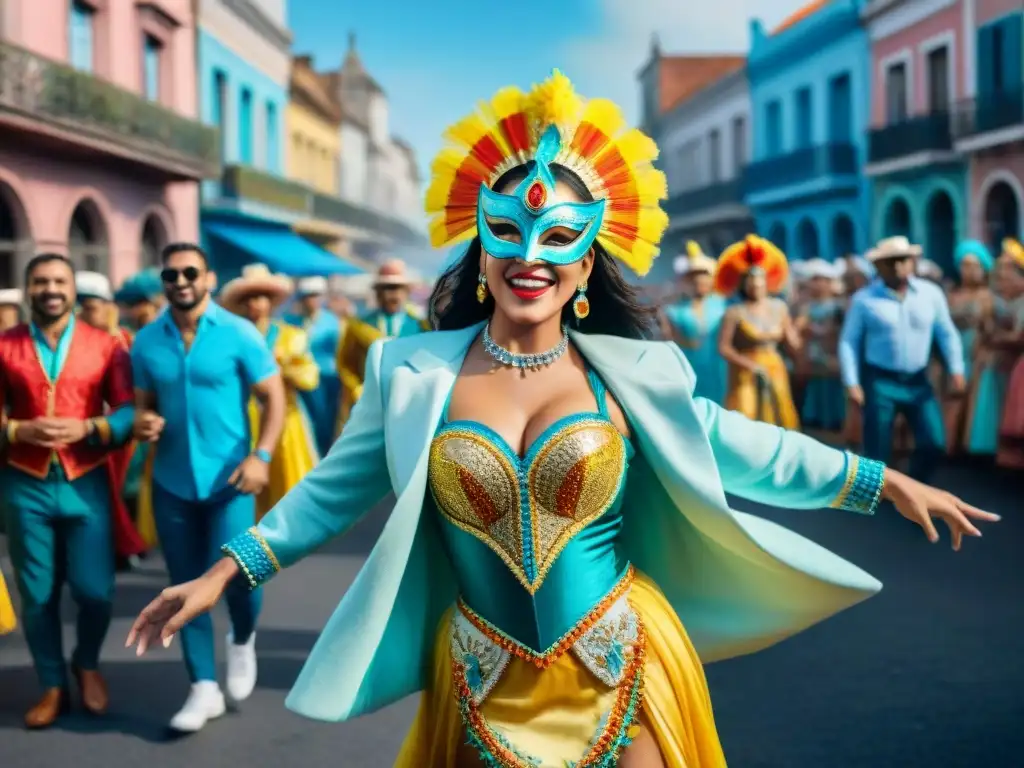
<point x="97" y="372"/>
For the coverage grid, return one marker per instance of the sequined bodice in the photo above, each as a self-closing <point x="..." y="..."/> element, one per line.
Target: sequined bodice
<point x="533" y="538"/>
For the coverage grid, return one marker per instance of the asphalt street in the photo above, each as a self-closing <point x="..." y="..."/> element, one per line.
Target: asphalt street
<point x="929" y="673"/>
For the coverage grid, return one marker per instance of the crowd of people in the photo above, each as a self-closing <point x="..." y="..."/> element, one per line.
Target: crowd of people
<point x="524" y="422"/>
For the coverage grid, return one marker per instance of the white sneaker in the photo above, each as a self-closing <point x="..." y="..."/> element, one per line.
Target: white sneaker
<point x="241" y="668"/>
<point x="205" y="702"/>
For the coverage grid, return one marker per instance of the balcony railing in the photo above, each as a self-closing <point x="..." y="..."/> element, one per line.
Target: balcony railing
<point x="82" y="109"/>
<point x="704" y="198"/>
<point x="991" y="112"/>
<point x="241" y="182"/>
<point x="924" y="133"/>
<point x="802" y="165"/>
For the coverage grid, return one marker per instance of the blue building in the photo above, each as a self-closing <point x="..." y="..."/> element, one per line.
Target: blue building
<point x="244" y="52"/>
<point x="809" y="93"/>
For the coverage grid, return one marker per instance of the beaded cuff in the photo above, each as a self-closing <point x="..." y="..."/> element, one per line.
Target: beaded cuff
<point x="254" y="557"/>
<point x="862" y="491"/>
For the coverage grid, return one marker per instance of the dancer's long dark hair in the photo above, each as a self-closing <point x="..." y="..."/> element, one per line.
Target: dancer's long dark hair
<point x="615" y="308"/>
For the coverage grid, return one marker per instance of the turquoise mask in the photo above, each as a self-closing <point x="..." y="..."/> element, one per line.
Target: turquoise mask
<point x="527" y="210"/>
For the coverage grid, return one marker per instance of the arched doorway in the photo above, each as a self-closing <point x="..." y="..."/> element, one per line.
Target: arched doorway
<point x="14" y="237"/>
<point x="844" y="237"/>
<point x="154" y="238"/>
<point x="940" y="220"/>
<point x="777" y="236"/>
<point x="897" y="220"/>
<point x="87" y="239"/>
<point x="808" y="244"/>
<point x="1002" y="214"/>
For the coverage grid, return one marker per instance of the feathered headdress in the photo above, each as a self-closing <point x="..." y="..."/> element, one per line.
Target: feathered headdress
<point x="697" y="260"/>
<point x="1013" y="249"/>
<point x="614" y="162"/>
<point x="751" y="252"/>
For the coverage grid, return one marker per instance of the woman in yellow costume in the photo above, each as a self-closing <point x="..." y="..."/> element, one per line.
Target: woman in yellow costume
<point x="754" y="271"/>
<point x="560" y="512"/>
<point x="255" y="295"/>
<point x="8" y="619"/>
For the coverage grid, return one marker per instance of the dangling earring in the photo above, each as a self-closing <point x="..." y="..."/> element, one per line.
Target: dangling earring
<point x="581" y="304"/>
<point x="481" y="288"/>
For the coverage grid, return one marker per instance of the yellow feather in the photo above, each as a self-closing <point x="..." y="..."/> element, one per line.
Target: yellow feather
<point x="651" y="184"/>
<point x="554" y="102"/>
<point x="636" y="147"/>
<point x="693" y="249"/>
<point x="651" y="224"/>
<point x="436" y="197"/>
<point x="508" y="101"/>
<point x="467" y="132"/>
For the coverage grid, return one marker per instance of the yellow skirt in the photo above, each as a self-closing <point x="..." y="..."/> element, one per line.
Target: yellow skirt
<point x="8" y="620"/>
<point x="770" y="401"/>
<point x="294" y="457"/>
<point x="554" y="712"/>
<point x="145" y="522"/>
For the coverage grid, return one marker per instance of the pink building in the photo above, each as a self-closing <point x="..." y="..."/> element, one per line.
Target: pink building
<point x="989" y="126"/>
<point x="921" y="69"/>
<point x="100" y="149"/>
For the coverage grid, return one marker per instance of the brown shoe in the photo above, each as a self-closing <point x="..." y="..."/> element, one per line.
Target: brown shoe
<point x="52" y="705"/>
<point x="93" y="689"/>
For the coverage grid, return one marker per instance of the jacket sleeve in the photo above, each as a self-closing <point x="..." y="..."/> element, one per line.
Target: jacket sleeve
<point x="343" y="487"/>
<point x="775" y="466"/>
<point x="115" y="428"/>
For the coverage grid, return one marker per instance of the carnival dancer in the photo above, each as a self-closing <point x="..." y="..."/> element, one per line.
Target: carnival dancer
<point x="755" y="270"/>
<point x="66" y="387"/>
<point x="555" y="643"/>
<point x="323" y="328"/>
<point x="972" y="307"/>
<point x="390" y="319"/>
<point x="819" y="323"/>
<point x="695" y="321"/>
<point x="885" y="349"/>
<point x="196" y="367"/>
<point x="254" y="295"/>
<point x="1010" y="343"/>
<point x="10" y="308"/>
<point x="96" y="300"/>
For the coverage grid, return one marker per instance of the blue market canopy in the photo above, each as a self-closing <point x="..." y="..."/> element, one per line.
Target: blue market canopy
<point x="280" y="249"/>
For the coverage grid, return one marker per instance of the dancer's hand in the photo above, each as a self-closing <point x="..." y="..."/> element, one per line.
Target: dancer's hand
<point x="147" y="426"/>
<point x="42" y="432"/>
<point x="251" y="476"/>
<point x="919" y="503"/>
<point x="176" y="606"/>
<point x="855" y="395"/>
<point x="957" y="384"/>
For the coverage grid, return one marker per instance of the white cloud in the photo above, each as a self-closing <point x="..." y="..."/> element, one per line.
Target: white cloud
<point x="606" y="65"/>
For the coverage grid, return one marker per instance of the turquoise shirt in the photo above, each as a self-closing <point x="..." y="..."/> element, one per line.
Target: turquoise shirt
<point x="393" y="326"/>
<point x="203" y="394"/>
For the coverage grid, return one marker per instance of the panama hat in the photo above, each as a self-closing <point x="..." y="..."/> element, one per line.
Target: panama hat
<point x="255" y="279"/>
<point x="93" y="285"/>
<point x="392" y="274"/>
<point x="893" y="248"/>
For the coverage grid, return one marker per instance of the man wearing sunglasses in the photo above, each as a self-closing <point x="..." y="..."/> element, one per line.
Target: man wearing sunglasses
<point x="196" y="366"/>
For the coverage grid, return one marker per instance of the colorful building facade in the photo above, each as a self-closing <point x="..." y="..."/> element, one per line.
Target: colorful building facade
<point x="920" y="71"/>
<point x="809" y="82"/>
<point x="988" y="125"/>
<point x="697" y="108"/>
<point x="100" y="149"/>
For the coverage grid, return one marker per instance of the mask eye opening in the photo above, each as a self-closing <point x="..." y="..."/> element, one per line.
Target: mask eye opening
<point x="503" y="229"/>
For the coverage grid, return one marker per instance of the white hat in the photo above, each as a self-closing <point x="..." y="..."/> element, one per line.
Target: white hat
<point x="893" y="248"/>
<point x="681" y="265"/>
<point x="928" y="268"/>
<point x="93" y="285"/>
<point x="11" y="297"/>
<point x="799" y="269"/>
<point x="862" y="265"/>
<point x="255" y="279"/>
<point x="820" y="268"/>
<point x="311" y="286"/>
<point x="392" y="274"/>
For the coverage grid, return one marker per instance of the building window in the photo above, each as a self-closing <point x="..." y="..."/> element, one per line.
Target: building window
<point x="938" y="80"/>
<point x="715" y="156"/>
<point x="245" y="127"/>
<point x="151" y="49"/>
<point x="1000" y="65"/>
<point x="840" y="109"/>
<point x="220" y="108"/>
<point x="773" y="128"/>
<point x="273" y="149"/>
<point x="804" y="120"/>
<point x="80" y="36"/>
<point x="739" y="142"/>
<point x="896" y="93"/>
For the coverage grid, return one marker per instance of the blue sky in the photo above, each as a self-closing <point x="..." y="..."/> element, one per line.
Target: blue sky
<point x="436" y="58"/>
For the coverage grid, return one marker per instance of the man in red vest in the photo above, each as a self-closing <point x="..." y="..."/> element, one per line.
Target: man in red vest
<point x="67" y="391"/>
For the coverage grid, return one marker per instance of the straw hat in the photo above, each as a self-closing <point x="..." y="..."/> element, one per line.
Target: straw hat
<point x="311" y="286"/>
<point x="256" y="280"/>
<point x="893" y="248"/>
<point x="93" y="285"/>
<point x="392" y="274"/>
<point x="11" y="297"/>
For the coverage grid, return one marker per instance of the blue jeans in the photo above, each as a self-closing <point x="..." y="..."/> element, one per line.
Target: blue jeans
<point x="59" y="533"/>
<point x="191" y="534"/>
<point x="886" y="394"/>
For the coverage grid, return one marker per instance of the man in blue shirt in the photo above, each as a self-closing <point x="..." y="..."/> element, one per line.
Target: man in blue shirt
<point x="884" y="352"/>
<point x="196" y="366"/>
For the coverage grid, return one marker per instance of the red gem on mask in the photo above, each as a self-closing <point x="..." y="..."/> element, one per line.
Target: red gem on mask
<point x="536" y="195"/>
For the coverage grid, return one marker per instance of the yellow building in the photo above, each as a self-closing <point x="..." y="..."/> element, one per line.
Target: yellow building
<point x="313" y="155"/>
